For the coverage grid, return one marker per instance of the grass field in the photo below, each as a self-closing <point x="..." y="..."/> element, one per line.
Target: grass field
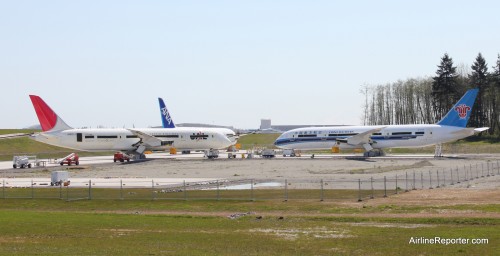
<point x="27" y="146"/>
<point x="10" y="131"/>
<point x="116" y="227"/>
<point x="258" y="140"/>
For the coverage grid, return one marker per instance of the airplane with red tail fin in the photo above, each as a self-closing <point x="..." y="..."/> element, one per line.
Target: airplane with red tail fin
<point x="133" y="140"/>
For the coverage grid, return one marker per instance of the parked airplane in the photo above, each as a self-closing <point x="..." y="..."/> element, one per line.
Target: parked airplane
<point x="167" y="122"/>
<point x="56" y="132"/>
<point x="452" y="127"/>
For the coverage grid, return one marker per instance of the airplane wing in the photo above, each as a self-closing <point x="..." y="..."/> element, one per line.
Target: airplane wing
<point x="146" y="138"/>
<point x="362" y="138"/>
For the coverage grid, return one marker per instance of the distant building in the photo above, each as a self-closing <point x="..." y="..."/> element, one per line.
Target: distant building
<point x="265" y="124"/>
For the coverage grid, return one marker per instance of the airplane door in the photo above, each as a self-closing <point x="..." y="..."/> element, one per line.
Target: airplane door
<point x="428" y="135"/>
<point x="78" y="137"/>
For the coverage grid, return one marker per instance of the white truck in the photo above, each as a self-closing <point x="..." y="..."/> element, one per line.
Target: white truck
<point x="23" y="161"/>
<point x="212" y="153"/>
<point x="289" y="152"/>
<point x="268" y="153"/>
<point x="58" y="178"/>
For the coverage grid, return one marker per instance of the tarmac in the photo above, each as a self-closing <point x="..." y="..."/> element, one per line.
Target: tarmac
<point x="341" y="171"/>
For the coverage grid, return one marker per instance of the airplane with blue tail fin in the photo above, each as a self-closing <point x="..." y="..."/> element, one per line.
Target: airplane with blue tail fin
<point x="168" y="122"/>
<point x="451" y="128"/>
<point x="166" y="119"/>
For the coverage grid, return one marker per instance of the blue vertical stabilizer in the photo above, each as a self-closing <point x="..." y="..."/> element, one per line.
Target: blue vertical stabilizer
<point x="460" y="113"/>
<point x="166" y="119"/>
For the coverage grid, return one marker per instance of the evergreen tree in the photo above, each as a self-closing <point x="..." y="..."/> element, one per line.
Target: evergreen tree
<point x="495" y="97"/>
<point x="444" y="87"/>
<point x="479" y="79"/>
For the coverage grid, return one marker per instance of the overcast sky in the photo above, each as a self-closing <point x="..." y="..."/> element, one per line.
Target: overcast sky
<point x="225" y="62"/>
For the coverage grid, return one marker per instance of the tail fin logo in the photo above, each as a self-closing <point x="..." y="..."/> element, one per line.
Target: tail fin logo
<point x="462" y="110"/>
<point x="166" y="115"/>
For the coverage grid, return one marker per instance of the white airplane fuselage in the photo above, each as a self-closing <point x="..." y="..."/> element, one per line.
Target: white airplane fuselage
<point x="391" y="136"/>
<point x="124" y="140"/>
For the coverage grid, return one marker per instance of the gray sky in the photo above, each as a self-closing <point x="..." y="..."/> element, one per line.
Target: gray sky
<point x="225" y="62"/>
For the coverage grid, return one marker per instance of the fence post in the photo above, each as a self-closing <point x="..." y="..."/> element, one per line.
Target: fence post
<point x="32" y="190"/>
<point x="373" y="195"/>
<point x="488" y="164"/>
<point x="482" y="170"/>
<point x="322" y="193"/>
<point x="286" y="190"/>
<point x="184" y="190"/>
<point x="359" y="190"/>
<point x="458" y="175"/>
<point x="414" y="181"/>
<point x="121" y="189"/>
<point x="90" y="189"/>
<point x="444" y="178"/>
<point x="396" y="184"/>
<point x="406" y="188"/>
<point x="430" y="180"/>
<point x="218" y="192"/>
<point x="422" y="179"/>
<point x="437" y="176"/>
<point x="251" y="192"/>
<point x="471" y="175"/>
<point x="385" y="187"/>
<point x="152" y="190"/>
<point x="498" y="168"/>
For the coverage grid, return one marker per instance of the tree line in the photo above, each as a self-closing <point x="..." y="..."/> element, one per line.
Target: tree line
<point x="427" y="100"/>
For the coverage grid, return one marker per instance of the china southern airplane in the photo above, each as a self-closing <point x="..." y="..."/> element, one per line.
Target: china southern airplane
<point x="167" y="122"/>
<point x="56" y="132"/>
<point x="452" y="127"/>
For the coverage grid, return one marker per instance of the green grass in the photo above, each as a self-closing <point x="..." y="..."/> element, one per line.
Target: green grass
<point x="130" y="227"/>
<point x="258" y="140"/>
<point x="27" y="146"/>
<point x="11" y="131"/>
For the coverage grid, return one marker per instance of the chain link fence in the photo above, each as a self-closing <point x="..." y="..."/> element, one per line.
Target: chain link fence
<point x="368" y="187"/>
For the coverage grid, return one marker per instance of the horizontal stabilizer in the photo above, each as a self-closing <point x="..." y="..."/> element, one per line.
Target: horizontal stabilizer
<point x="482" y="129"/>
<point x="470" y="131"/>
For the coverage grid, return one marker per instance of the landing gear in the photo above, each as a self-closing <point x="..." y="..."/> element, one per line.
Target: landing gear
<point x="374" y="153"/>
<point x="438" y="152"/>
<point x="212" y="153"/>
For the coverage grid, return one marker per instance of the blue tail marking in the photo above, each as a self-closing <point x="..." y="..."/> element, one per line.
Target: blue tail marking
<point x="166" y="119"/>
<point x="460" y="113"/>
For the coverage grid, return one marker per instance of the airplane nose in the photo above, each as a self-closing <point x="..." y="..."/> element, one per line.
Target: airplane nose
<point x="225" y="141"/>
